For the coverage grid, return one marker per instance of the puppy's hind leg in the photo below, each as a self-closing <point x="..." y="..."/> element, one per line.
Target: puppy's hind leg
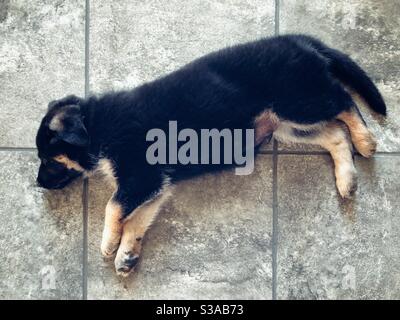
<point x="335" y="139"/>
<point x="362" y="137"/>
<point x="112" y="228"/>
<point x="331" y="136"/>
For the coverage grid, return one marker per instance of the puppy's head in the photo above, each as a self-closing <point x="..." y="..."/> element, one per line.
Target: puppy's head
<point x="61" y="141"/>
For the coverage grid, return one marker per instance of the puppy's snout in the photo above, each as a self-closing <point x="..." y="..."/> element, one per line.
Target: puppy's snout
<point x="55" y="176"/>
<point x="39" y="182"/>
<point x="42" y="183"/>
<point x="42" y="179"/>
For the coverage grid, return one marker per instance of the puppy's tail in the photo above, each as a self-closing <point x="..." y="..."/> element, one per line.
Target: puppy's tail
<point x="348" y="72"/>
<point x="351" y="74"/>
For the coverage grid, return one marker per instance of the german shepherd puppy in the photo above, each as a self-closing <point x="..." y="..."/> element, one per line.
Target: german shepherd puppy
<point x="291" y="86"/>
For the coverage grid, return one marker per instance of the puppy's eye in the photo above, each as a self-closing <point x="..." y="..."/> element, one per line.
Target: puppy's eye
<point x="54" y="140"/>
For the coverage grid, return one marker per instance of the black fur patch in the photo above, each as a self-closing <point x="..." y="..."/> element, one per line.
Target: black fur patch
<point x="305" y="133"/>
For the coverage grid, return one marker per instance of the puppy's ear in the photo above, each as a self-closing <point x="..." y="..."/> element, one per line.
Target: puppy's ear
<point x="70" y="129"/>
<point x="51" y="105"/>
<point x="74" y="131"/>
<point x="71" y="99"/>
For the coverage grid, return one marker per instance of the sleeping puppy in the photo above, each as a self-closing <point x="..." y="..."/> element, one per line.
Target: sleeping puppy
<point x="292" y="86"/>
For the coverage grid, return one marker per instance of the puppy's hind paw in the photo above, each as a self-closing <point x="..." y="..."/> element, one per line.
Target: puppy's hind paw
<point x="367" y="145"/>
<point x="108" y="249"/>
<point x="125" y="263"/>
<point x="347" y="185"/>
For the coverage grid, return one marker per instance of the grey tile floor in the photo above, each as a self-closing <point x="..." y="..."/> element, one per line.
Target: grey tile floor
<point x="280" y="233"/>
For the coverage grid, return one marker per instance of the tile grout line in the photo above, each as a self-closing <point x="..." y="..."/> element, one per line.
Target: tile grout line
<point x="275" y="189"/>
<point x="274" y="218"/>
<point x="85" y="191"/>
<point x="277" y="16"/>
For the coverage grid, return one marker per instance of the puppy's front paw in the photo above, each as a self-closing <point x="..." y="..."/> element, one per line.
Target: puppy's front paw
<point x="125" y="263"/>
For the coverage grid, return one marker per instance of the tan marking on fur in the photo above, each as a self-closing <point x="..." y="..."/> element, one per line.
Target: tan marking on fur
<point x="265" y="124"/>
<point x="135" y="228"/>
<point x="112" y="228"/>
<point x="70" y="164"/>
<point x="363" y="139"/>
<point x="106" y="167"/>
<point x="56" y="123"/>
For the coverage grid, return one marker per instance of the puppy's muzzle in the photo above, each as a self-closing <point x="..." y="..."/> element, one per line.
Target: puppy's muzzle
<point x="51" y="180"/>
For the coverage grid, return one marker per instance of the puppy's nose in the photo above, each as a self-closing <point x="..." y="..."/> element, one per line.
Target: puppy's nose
<point x="38" y="183"/>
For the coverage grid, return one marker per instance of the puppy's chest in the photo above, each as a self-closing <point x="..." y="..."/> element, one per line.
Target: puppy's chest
<point x="106" y="168"/>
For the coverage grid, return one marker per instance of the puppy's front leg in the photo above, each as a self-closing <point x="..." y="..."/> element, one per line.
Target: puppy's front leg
<point x="132" y="190"/>
<point x="112" y="227"/>
<point x="134" y="229"/>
